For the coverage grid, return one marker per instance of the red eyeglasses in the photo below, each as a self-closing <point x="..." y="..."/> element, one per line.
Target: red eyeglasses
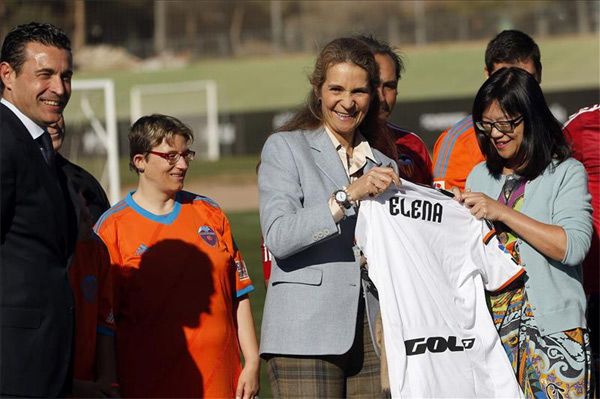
<point x="173" y="156"/>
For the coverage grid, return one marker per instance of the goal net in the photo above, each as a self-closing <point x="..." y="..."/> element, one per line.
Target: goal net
<point x="194" y="103"/>
<point x="91" y="139"/>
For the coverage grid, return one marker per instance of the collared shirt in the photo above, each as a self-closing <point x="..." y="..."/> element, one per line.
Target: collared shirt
<point x="353" y="164"/>
<point x="33" y="128"/>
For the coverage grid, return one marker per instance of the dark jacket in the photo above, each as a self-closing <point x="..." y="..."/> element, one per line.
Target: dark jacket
<point x="37" y="237"/>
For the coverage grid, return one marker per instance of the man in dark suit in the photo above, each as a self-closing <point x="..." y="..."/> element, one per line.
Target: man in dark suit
<point x="38" y="223"/>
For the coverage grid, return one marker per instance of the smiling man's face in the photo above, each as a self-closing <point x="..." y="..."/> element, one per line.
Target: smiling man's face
<point x="42" y="87"/>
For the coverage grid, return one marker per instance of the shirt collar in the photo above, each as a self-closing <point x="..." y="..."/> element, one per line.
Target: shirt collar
<point x="33" y="128"/>
<point x="361" y="152"/>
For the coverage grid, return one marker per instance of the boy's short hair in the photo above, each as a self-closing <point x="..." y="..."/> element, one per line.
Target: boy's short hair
<point x="150" y="131"/>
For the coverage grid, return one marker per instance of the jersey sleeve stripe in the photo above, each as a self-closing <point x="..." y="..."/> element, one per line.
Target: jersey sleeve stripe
<point x="452" y="136"/>
<point x="118" y="207"/>
<point x="448" y="144"/>
<point x="209" y="201"/>
<point x="244" y="291"/>
<point x="511" y="280"/>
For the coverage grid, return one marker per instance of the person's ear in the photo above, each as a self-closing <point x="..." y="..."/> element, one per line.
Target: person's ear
<point x="7" y="74"/>
<point x="139" y="160"/>
<point x="486" y="72"/>
<point x="317" y="93"/>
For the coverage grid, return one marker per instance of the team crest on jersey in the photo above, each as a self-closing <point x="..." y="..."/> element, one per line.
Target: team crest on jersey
<point x="89" y="288"/>
<point x="241" y="269"/>
<point x="208" y="235"/>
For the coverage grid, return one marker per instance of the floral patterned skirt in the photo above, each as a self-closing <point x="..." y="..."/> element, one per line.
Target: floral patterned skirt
<point x="546" y="366"/>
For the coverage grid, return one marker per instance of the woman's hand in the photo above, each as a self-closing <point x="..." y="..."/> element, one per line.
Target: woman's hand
<point x="248" y="385"/>
<point x="457" y="194"/>
<point x="372" y="183"/>
<point x="480" y="205"/>
<point x="548" y="239"/>
<point x="483" y="207"/>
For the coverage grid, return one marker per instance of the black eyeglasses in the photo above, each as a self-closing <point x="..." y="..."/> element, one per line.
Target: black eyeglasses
<point x="501" y="126"/>
<point x="173" y="157"/>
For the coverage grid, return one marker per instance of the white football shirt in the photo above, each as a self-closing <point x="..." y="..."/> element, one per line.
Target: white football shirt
<point x="431" y="261"/>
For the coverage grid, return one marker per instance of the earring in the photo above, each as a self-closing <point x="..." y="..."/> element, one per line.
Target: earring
<point x="140" y="170"/>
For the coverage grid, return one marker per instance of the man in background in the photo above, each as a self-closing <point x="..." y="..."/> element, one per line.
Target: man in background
<point x="90" y="187"/>
<point x="414" y="162"/>
<point x="94" y="370"/>
<point x="38" y="220"/>
<point x="456" y="150"/>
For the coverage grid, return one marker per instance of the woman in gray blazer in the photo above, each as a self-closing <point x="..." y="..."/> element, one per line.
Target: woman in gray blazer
<point x="313" y="173"/>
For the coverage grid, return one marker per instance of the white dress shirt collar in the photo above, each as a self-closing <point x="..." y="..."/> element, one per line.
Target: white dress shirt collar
<point x="33" y="128"/>
<point x="361" y="151"/>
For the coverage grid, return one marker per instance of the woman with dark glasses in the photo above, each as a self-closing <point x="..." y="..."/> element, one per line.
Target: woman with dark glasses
<point x="536" y="196"/>
<point x="181" y="287"/>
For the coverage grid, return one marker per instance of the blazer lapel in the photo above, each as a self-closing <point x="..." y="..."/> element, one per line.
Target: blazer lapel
<point x="326" y="158"/>
<point x="34" y="155"/>
<point x="371" y="163"/>
<point x="48" y="176"/>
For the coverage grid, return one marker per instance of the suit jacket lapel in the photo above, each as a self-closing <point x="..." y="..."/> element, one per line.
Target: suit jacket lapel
<point x="371" y="163"/>
<point x="326" y="158"/>
<point x="34" y="155"/>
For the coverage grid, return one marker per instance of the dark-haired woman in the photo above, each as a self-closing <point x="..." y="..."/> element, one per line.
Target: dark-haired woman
<point x="312" y="175"/>
<point x="537" y="198"/>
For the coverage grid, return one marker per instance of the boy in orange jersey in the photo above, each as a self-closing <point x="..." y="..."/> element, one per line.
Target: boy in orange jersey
<point x="178" y="279"/>
<point x="180" y="283"/>
<point x="456" y="151"/>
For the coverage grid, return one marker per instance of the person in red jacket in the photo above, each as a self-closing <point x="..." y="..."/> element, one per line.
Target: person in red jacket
<point x="583" y="131"/>
<point x="414" y="162"/>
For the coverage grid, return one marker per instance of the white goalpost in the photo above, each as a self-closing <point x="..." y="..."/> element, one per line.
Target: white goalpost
<point x="92" y="113"/>
<point x="195" y="103"/>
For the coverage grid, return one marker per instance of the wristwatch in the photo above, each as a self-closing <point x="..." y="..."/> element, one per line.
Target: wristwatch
<point x="342" y="198"/>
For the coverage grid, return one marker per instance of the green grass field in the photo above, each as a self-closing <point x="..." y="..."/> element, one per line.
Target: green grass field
<point x="436" y="71"/>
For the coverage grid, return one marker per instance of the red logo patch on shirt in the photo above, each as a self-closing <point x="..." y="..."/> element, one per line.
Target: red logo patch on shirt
<point x="208" y="235"/>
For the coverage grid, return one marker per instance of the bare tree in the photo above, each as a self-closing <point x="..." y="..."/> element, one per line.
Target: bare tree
<point x="78" y="24"/>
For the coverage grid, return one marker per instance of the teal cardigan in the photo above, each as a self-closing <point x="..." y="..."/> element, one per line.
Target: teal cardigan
<point x="559" y="196"/>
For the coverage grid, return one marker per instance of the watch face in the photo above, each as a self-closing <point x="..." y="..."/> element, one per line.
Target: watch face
<point x="341" y="196"/>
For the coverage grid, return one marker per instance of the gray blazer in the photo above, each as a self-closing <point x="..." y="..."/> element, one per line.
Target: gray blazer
<point x="312" y="299"/>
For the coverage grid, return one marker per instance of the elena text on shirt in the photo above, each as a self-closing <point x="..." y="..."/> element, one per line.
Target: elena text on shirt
<point x="416" y="209"/>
